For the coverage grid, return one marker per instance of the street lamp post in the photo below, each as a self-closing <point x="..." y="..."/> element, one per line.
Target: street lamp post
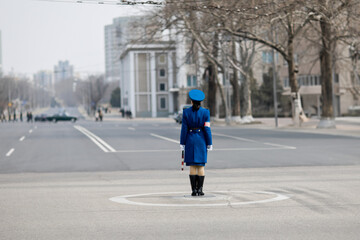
<point x="226" y="81"/>
<point x="274" y="83"/>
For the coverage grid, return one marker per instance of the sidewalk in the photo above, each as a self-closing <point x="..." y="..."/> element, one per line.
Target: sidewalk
<point x="346" y="126"/>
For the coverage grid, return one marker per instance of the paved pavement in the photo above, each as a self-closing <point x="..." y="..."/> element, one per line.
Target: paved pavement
<point x="322" y="203"/>
<point x="121" y="179"/>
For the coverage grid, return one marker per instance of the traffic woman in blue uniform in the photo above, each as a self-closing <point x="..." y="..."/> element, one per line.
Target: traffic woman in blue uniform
<point x="196" y="140"/>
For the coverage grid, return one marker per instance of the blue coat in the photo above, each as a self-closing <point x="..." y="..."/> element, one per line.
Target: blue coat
<point x="195" y="141"/>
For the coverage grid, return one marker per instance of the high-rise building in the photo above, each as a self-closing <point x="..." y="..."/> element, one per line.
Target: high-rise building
<point x="44" y="79"/>
<point x="1" y="69"/>
<point x="116" y="37"/>
<point x="63" y="71"/>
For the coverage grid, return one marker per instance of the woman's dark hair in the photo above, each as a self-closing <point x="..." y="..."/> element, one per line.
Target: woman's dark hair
<point x="196" y="105"/>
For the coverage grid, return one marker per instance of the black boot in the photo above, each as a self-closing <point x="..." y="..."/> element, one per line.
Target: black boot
<point x="193" y="184"/>
<point x="200" y="183"/>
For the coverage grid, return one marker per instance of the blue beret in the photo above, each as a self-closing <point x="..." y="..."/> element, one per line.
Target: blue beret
<point x="196" y="95"/>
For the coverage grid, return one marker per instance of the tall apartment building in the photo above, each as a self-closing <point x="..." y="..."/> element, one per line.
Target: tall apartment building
<point x="44" y="79"/>
<point x="117" y="35"/>
<point x="1" y="68"/>
<point x="63" y="71"/>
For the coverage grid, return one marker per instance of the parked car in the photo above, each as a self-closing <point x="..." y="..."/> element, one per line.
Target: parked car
<point x="61" y="117"/>
<point x="40" y="118"/>
<point x="178" y="115"/>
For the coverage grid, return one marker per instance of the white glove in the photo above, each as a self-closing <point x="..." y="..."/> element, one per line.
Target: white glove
<point x="209" y="147"/>
<point x="182" y="147"/>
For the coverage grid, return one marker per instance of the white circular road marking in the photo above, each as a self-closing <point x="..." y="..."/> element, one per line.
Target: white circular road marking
<point x="208" y="197"/>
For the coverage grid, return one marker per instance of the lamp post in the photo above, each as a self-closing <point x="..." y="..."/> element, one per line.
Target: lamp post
<point x="226" y="81"/>
<point x="274" y="83"/>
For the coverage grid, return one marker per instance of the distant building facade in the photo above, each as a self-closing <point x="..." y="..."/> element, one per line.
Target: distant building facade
<point x="156" y="73"/>
<point x="44" y="80"/>
<point x="149" y="78"/>
<point x="345" y="80"/>
<point x="116" y="37"/>
<point x="63" y="70"/>
<point x="1" y="67"/>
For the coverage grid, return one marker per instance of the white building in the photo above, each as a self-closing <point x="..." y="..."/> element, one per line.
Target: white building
<point x="156" y="73"/>
<point x="149" y="81"/>
<point x="63" y="71"/>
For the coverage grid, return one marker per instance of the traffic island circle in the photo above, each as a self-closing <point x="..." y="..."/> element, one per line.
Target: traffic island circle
<point x="210" y="199"/>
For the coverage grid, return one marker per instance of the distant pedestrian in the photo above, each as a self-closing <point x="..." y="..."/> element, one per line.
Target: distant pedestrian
<point x="128" y="114"/>
<point x="31" y="116"/>
<point x="21" y="116"/>
<point x="100" y="115"/>
<point x="14" y="119"/>
<point x="196" y="140"/>
<point x="3" y="117"/>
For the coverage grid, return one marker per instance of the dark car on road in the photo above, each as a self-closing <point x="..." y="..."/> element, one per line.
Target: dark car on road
<point x="40" y="118"/>
<point x="178" y="115"/>
<point x="61" y="117"/>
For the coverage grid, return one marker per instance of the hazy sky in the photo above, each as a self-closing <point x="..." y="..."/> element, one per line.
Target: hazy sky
<point x="37" y="34"/>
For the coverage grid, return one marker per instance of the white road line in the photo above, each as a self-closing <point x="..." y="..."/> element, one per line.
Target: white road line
<point x="30" y="131"/>
<point x="218" y="197"/>
<point x="279" y="145"/>
<point x="165" y="138"/>
<point x="238" y="138"/>
<point x="249" y="140"/>
<point x="145" y="151"/>
<point x="246" y="149"/>
<point x="92" y="139"/>
<point x="22" y="138"/>
<point x="216" y="149"/>
<point x="130" y="128"/>
<point x="10" y="152"/>
<point x="98" y="141"/>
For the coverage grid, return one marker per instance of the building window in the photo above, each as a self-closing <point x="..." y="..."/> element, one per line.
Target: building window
<point x="296" y="58"/>
<point x="162" y="59"/>
<point x="162" y="72"/>
<point x="189" y="58"/>
<point x="162" y="87"/>
<point x="191" y="81"/>
<point x="162" y="103"/>
<point x="267" y="57"/>
<point x="286" y="82"/>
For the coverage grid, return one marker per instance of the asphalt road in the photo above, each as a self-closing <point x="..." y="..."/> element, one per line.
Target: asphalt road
<point x="151" y="145"/>
<point x="122" y="180"/>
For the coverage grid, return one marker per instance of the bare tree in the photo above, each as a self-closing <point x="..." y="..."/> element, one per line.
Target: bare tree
<point x="97" y="90"/>
<point x="258" y="20"/>
<point x="181" y="18"/>
<point x="4" y="97"/>
<point x="64" y="90"/>
<point x="337" y="21"/>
